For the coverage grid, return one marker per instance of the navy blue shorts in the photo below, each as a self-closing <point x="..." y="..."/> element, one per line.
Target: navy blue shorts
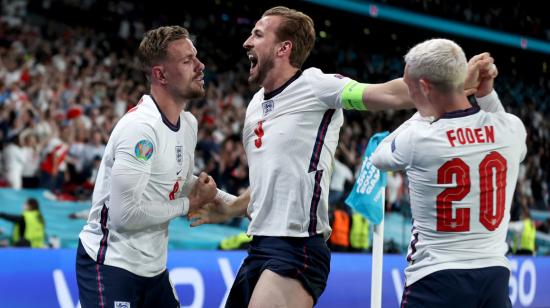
<point x="305" y="259"/>
<point x="461" y="288"/>
<point x="101" y="285"/>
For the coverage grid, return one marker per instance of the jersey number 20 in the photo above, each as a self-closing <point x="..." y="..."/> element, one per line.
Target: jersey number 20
<point x="492" y="167"/>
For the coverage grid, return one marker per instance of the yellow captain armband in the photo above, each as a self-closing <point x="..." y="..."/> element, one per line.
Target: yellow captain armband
<point x="352" y="96"/>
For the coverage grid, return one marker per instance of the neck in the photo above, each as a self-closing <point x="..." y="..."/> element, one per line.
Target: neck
<point x="170" y="107"/>
<point x="450" y="103"/>
<point x="278" y="77"/>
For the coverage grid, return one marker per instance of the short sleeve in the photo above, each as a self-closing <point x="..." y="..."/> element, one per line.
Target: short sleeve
<point x="327" y="87"/>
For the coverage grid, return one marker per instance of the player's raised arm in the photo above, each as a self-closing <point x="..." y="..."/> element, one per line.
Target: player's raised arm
<point x="394" y="94"/>
<point x="486" y="96"/>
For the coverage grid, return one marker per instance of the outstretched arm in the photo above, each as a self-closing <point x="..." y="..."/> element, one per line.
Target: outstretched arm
<point x="393" y="94"/>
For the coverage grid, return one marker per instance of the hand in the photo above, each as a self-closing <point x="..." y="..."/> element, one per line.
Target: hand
<point x="203" y="192"/>
<point x="478" y="66"/>
<point x="212" y="213"/>
<point x="487" y="78"/>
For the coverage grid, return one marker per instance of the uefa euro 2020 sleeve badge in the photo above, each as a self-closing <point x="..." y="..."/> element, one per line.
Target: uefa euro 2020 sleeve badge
<point x="144" y="150"/>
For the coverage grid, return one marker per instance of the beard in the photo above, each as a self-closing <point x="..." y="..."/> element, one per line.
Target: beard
<point x="262" y="71"/>
<point x="191" y="91"/>
<point x="195" y="92"/>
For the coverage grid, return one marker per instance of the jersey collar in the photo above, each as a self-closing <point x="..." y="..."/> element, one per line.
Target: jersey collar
<point x="460" y="113"/>
<point x="280" y="89"/>
<point x="171" y="126"/>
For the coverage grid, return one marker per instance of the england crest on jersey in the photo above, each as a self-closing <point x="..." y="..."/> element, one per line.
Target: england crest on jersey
<point x="268" y="106"/>
<point x="179" y="154"/>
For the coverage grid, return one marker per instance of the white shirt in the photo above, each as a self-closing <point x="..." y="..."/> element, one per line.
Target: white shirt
<point x="395" y="180"/>
<point x="462" y="173"/>
<point x="290" y="138"/>
<point x="142" y="184"/>
<point x="340" y="176"/>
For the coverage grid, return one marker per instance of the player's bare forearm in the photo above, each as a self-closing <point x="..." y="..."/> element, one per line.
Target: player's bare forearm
<point x="240" y="206"/>
<point x="219" y="211"/>
<point x="393" y="94"/>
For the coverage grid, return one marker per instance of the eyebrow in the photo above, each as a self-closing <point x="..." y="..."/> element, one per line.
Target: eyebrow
<point x="256" y="31"/>
<point x="187" y="56"/>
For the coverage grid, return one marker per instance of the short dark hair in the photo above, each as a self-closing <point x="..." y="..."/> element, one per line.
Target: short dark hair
<point x="298" y="28"/>
<point x="154" y="45"/>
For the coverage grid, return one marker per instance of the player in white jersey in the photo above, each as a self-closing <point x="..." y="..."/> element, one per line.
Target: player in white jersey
<point x="462" y="163"/>
<point x="145" y="180"/>
<point x="290" y="136"/>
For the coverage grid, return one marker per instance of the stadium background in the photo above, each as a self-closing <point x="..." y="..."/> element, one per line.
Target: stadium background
<point x="68" y="72"/>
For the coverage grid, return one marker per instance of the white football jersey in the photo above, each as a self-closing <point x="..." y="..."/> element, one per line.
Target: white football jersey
<point x="462" y="171"/>
<point x="290" y="137"/>
<point x="140" y="187"/>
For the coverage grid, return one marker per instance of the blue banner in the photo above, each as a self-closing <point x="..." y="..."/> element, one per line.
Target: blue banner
<point x="366" y="195"/>
<point x="46" y="278"/>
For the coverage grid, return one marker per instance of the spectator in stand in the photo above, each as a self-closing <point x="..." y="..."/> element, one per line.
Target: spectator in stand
<point x="31" y="153"/>
<point x="53" y="165"/>
<point x="14" y="161"/>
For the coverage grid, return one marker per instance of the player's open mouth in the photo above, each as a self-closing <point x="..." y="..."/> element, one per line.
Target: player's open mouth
<point x="253" y="61"/>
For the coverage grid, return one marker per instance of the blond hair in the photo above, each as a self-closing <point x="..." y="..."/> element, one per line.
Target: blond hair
<point x="440" y="61"/>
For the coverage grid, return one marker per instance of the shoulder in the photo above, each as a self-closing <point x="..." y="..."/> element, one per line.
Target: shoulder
<point x="507" y="121"/>
<point x="312" y="71"/>
<point x="327" y="87"/>
<point x="316" y="74"/>
<point x="131" y="125"/>
<point x="140" y="126"/>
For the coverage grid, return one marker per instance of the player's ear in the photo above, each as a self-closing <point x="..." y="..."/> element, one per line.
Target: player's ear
<point x="158" y="74"/>
<point x="285" y="47"/>
<point x="424" y="86"/>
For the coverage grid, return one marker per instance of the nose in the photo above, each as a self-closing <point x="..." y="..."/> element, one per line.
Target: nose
<point x="200" y="66"/>
<point x="248" y="43"/>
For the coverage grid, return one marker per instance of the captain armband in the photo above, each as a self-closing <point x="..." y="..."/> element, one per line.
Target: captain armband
<point x="352" y="96"/>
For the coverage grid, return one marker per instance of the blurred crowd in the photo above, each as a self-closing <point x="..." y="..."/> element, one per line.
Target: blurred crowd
<point x="63" y="88"/>
<point x="521" y="17"/>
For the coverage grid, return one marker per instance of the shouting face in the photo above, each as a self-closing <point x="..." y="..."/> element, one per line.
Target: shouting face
<point x="261" y="47"/>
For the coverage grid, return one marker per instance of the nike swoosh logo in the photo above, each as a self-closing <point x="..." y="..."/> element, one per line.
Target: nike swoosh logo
<point x="178" y="173"/>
